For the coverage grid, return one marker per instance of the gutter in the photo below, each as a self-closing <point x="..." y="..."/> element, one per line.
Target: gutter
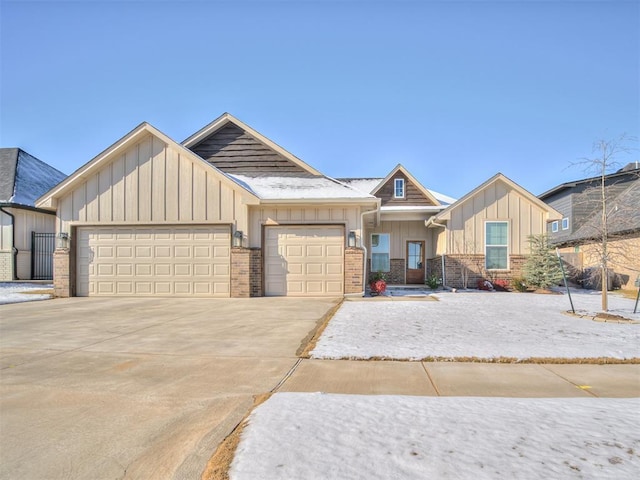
<point x="431" y="222"/>
<point x="14" y="250"/>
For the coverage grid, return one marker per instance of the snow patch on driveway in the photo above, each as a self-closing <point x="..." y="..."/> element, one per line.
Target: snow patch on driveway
<point x="11" y="292"/>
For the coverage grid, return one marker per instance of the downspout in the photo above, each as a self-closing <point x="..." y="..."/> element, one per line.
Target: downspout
<point x="364" y="264"/>
<point x="14" y="250"/>
<point x="427" y="224"/>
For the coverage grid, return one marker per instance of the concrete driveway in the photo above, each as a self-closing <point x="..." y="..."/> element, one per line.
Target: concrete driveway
<point x="137" y="388"/>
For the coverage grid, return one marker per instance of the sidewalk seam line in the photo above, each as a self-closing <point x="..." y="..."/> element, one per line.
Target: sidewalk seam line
<point x="433" y="384"/>
<point x="569" y="381"/>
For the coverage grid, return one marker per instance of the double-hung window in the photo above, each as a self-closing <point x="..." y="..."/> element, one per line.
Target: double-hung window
<point x="496" y="245"/>
<point x="398" y="188"/>
<point x="380" y="253"/>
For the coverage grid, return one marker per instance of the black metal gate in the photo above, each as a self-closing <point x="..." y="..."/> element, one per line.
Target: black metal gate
<point x="42" y="247"/>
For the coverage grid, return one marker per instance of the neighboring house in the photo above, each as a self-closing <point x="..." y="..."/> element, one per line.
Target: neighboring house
<point x="577" y="233"/>
<point x="26" y="232"/>
<point x="484" y="235"/>
<point x="228" y="213"/>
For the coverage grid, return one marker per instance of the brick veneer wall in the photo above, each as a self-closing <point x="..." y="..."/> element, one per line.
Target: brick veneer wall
<point x="62" y="268"/>
<point x="240" y="272"/>
<point x="454" y="265"/>
<point x="395" y="276"/>
<point x="255" y="272"/>
<point x="6" y="266"/>
<point x="353" y="265"/>
<point x="397" y="273"/>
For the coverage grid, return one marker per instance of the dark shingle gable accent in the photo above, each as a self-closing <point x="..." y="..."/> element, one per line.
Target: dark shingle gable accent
<point x="412" y="195"/>
<point x="233" y="150"/>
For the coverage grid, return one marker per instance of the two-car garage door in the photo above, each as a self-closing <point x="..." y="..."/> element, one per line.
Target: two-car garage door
<point x="153" y="260"/>
<point x="195" y="260"/>
<point x="304" y="260"/>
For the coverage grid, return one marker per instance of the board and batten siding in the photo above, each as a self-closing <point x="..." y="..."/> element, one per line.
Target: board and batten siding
<point x="153" y="183"/>
<point x="497" y="202"/>
<point x="280" y="215"/>
<point x="400" y="233"/>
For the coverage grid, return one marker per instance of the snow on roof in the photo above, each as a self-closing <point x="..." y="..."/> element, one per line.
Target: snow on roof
<point x="296" y="187"/>
<point x="32" y="177"/>
<point x="412" y="208"/>
<point x="368" y="185"/>
<point x="445" y="200"/>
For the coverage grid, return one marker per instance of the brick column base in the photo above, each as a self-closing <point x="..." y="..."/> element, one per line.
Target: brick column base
<point x="353" y="266"/>
<point x="240" y="272"/>
<point x="255" y="272"/>
<point x="62" y="273"/>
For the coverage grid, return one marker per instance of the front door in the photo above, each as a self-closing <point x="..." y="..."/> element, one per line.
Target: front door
<point x="415" y="262"/>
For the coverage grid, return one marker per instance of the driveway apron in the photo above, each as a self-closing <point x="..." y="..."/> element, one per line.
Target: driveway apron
<point x="137" y="388"/>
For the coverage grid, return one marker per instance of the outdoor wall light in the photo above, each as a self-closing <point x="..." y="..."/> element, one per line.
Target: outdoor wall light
<point x="351" y="239"/>
<point x="237" y="238"/>
<point x="63" y="240"/>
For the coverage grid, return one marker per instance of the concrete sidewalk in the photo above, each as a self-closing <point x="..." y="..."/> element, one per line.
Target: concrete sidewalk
<point x="464" y="379"/>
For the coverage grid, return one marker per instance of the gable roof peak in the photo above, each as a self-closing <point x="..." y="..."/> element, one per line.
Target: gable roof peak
<point x="446" y="213"/>
<point x="400" y="168"/>
<point x="225" y="119"/>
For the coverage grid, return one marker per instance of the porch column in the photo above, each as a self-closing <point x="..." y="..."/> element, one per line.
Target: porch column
<point x="353" y="267"/>
<point x="62" y="285"/>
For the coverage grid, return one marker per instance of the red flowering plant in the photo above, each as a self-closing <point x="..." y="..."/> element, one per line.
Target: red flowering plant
<point x="377" y="283"/>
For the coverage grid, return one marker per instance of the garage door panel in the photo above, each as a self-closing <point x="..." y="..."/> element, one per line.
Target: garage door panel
<point x="143" y="288"/>
<point x="183" y="260"/>
<point x="304" y="260"/>
<point x="125" y="288"/>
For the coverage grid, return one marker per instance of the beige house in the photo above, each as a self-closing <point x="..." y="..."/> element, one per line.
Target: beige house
<point x="228" y="213"/>
<point x="26" y="233"/>
<point x="484" y="235"/>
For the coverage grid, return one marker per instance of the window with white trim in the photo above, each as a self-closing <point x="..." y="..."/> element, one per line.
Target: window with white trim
<point x="398" y="188"/>
<point x="496" y="245"/>
<point x="554" y="226"/>
<point x="380" y="252"/>
<point x="565" y="223"/>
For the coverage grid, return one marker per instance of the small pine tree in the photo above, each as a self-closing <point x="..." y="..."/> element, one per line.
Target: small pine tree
<point x="541" y="268"/>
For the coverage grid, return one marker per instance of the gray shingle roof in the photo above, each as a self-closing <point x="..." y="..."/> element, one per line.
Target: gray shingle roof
<point x="24" y="178"/>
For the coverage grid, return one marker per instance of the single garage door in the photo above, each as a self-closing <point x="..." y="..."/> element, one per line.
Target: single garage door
<point x="304" y="260"/>
<point x="153" y="260"/>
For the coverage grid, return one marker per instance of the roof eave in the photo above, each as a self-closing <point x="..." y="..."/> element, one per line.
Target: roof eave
<point x="319" y="201"/>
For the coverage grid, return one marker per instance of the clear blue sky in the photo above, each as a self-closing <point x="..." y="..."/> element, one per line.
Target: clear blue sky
<point x="454" y="90"/>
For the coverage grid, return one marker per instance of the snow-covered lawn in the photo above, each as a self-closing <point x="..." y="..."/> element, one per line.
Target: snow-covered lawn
<point x="18" y="292"/>
<point x="481" y="325"/>
<point x="321" y="436"/>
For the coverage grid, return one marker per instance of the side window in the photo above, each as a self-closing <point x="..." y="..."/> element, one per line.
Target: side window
<point x="565" y="223"/>
<point x="554" y="226"/>
<point x="497" y="245"/>
<point x="380" y="252"/>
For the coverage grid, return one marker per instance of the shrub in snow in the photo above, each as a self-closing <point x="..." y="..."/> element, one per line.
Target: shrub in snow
<point x="541" y="269"/>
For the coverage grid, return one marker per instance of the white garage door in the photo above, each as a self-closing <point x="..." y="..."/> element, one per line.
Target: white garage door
<point x="304" y="261"/>
<point x="153" y="260"/>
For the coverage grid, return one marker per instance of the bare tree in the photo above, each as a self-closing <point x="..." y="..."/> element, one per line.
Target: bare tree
<point x="615" y="209"/>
